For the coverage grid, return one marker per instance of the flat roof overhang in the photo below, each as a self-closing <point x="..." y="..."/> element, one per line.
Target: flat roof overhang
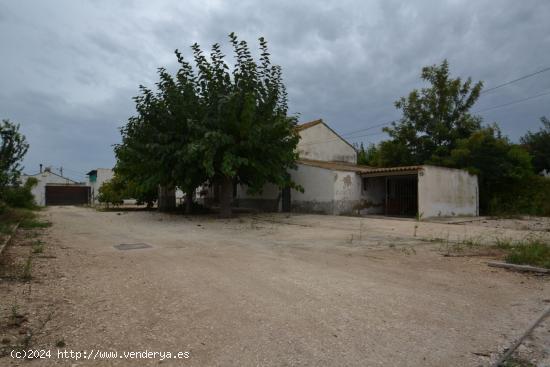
<point x="392" y="171"/>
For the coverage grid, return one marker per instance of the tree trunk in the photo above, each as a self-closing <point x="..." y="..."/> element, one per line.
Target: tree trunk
<point x="189" y="202"/>
<point x="167" y="199"/>
<point x="226" y="196"/>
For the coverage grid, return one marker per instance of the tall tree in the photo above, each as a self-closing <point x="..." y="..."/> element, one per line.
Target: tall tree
<point x="212" y="123"/>
<point x="538" y="144"/>
<point x="434" y="119"/>
<point x="248" y="136"/>
<point x="13" y="147"/>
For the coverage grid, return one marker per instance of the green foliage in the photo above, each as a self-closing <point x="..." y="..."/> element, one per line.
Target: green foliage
<point x="31" y="222"/>
<point x="538" y="145"/>
<point x="534" y="253"/>
<point x="21" y="196"/>
<point x="502" y="168"/>
<point x="111" y="192"/>
<point x="13" y="148"/>
<point x="26" y="274"/>
<point x="434" y="119"/>
<point x="368" y="156"/>
<point x="11" y="216"/>
<point x="37" y="247"/>
<point x="211" y="124"/>
<point x="114" y="191"/>
<point x="530" y="195"/>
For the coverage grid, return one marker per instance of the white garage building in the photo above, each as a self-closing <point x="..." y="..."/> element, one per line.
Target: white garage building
<point x="54" y="189"/>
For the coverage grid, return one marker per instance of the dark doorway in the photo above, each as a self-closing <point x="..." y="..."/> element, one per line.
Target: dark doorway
<point x="67" y="195"/>
<point x="402" y="195"/>
<point x="286" y="199"/>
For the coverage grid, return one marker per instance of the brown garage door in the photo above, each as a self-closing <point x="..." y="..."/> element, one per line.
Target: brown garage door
<point x="67" y="195"/>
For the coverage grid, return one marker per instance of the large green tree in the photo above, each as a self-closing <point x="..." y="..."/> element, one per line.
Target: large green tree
<point x="214" y="123"/>
<point x="538" y="144"/>
<point x="13" y="147"/>
<point x="434" y="119"/>
<point x="248" y="136"/>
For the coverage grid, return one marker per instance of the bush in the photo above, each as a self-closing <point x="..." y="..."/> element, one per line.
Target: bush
<point x="530" y="196"/>
<point x="21" y="196"/>
<point x="111" y="192"/>
<point x="534" y="253"/>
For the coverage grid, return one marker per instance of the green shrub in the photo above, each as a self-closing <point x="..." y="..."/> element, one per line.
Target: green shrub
<point x="111" y="192"/>
<point x="32" y="223"/>
<point x="534" y="253"/>
<point x="21" y="196"/>
<point x="530" y="196"/>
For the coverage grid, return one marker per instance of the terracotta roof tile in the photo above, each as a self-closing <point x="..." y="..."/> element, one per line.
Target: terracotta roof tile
<point x="307" y="125"/>
<point x="338" y="166"/>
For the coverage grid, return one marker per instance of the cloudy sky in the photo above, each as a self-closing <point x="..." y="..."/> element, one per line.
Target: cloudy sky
<point x="68" y="69"/>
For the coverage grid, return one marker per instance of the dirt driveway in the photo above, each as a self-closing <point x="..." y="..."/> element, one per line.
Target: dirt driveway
<point x="276" y="290"/>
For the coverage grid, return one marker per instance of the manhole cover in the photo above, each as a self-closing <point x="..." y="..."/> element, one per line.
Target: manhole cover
<point x="131" y="246"/>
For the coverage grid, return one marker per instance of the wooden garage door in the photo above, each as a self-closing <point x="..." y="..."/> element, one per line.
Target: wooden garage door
<point x="67" y="195"/>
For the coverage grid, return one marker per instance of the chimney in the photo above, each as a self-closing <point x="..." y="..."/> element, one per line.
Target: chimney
<point x="40" y="167"/>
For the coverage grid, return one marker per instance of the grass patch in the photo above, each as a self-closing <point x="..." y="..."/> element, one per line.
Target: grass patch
<point x="37" y="247"/>
<point x="27" y="270"/>
<point x="26" y="218"/>
<point x="535" y="253"/>
<point x="530" y="251"/>
<point x="33" y="223"/>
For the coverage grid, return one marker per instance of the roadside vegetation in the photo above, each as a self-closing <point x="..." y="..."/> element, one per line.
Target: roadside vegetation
<point x="18" y="260"/>
<point x="533" y="252"/>
<point x="17" y="204"/>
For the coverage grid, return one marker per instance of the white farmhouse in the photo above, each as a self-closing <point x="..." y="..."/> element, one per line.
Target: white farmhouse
<point x="334" y="184"/>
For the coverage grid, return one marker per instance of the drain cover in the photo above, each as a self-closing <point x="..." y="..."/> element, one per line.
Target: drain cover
<point x="131" y="246"/>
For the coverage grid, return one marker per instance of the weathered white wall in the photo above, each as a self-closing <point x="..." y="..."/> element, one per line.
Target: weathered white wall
<point x="327" y="191"/>
<point x="374" y="194"/>
<point x="103" y="175"/>
<point x="447" y="192"/>
<point x="44" y="178"/>
<point x="348" y="193"/>
<point x="320" y="143"/>
<point x="319" y="189"/>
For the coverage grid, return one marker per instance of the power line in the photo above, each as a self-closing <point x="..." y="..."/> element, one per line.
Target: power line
<point x="349" y="135"/>
<point x="368" y="128"/>
<point x="512" y="102"/>
<point x="515" y="80"/>
<point x="389" y="122"/>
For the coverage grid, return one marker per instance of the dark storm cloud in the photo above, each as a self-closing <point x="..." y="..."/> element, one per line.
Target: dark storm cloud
<point x="69" y="69"/>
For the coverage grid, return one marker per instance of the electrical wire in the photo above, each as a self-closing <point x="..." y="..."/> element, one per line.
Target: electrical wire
<point x="389" y="122"/>
<point x="515" y="80"/>
<point x="512" y="102"/>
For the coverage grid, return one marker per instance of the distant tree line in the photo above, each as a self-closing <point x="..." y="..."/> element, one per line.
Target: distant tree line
<point x="438" y="128"/>
<point x="209" y="123"/>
